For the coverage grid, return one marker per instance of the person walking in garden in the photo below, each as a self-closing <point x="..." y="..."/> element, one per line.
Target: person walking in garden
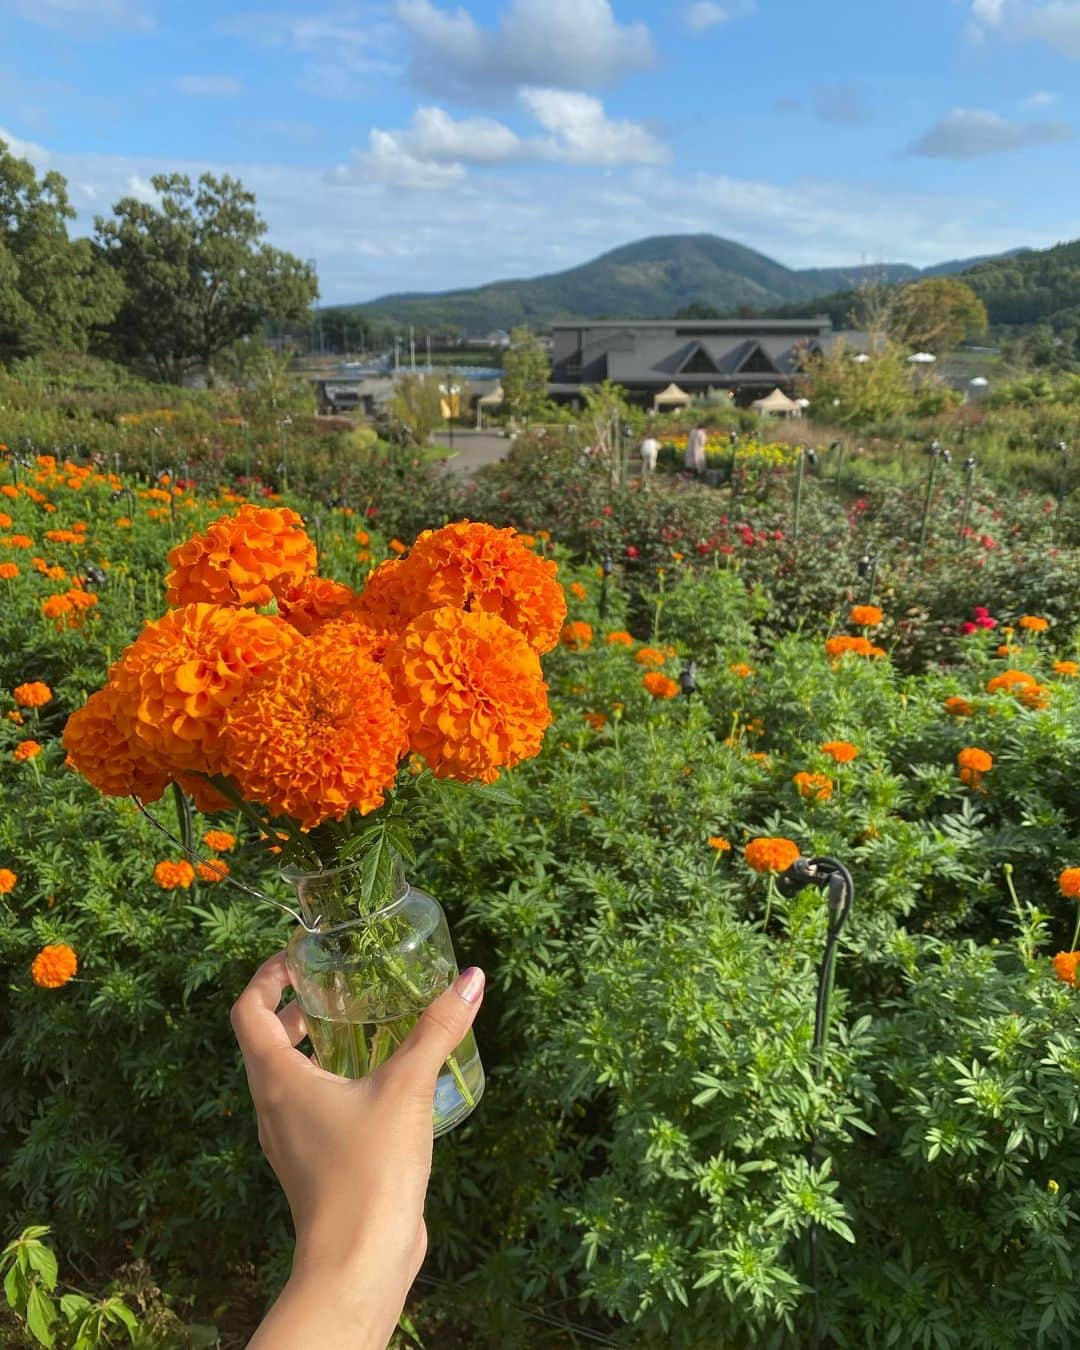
<point x="649" y="450"/>
<point x="695" y="451"/>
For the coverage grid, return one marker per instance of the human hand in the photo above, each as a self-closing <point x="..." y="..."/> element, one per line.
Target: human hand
<point x="353" y="1157"/>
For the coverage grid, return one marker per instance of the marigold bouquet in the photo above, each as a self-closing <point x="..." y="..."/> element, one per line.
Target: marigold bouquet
<point x="315" y="710"/>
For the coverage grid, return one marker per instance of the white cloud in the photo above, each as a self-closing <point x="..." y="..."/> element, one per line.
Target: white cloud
<point x="36" y="154"/>
<point x="565" y="44"/>
<point x="491" y="224"/>
<point x="705" y="14"/>
<point x="580" y="133"/>
<point x="83" y="17"/>
<point x="1042" y="99"/>
<point x="340" y="56"/>
<point x="970" y="133"/>
<point x="1055" y="22"/>
<point x="435" y="149"/>
<point x="208" y="86"/>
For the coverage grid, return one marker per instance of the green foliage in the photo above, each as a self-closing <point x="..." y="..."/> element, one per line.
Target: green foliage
<point x="54" y="294"/>
<point x="415" y="409"/>
<point x="860" y="393"/>
<point x="196" y="274"/>
<point x="526" y="372"/>
<point x="657" y="1141"/>
<point x="936" y="315"/>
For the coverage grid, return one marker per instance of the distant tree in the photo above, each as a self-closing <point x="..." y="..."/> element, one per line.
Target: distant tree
<point x="859" y="393"/>
<point x="526" y="372"/>
<point x="696" y="310"/>
<point x="936" y="314"/>
<point x="268" y="385"/>
<point x="415" y="409"/>
<point x="198" y="276"/>
<point x="54" y="293"/>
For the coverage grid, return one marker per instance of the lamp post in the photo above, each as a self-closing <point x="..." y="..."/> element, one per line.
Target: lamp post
<point x="283" y="467"/>
<point x="969" y="489"/>
<point x="1063" y="483"/>
<point x="449" y="393"/>
<point x="800" y="470"/>
<point x="606" y="570"/>
<point x="937" y="452"/>
<point x="867" y="569"/>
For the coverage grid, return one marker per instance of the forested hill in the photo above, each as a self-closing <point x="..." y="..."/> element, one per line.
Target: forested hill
<point x="652" y="278"/>
<point x="1022" y="290"/>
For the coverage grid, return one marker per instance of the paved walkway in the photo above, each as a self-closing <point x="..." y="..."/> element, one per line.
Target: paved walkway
<point x="472" y="449"/>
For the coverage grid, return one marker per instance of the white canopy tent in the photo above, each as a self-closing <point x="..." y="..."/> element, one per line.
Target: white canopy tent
<point x="488" y="402"/>
<point x="777" y="404"/>
<point x="671" y="397"/>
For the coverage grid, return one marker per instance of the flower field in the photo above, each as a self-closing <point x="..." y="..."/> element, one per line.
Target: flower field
<point x="663" y="1157"/>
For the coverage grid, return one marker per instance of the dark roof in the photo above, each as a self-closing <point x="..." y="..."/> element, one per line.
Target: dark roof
<point x="704" y="326"/>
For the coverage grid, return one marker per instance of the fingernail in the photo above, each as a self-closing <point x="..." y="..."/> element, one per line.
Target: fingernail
<point x="469" y="985"/>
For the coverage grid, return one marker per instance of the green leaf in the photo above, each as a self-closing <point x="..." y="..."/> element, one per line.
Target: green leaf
<point x="15" y="1287"/>
<point x="43" y="1260"/>
<point x="40" y="1315"/>
<point x="73" y="1306"/>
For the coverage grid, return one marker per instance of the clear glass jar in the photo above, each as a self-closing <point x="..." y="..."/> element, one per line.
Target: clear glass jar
<point x="363" y="980"/>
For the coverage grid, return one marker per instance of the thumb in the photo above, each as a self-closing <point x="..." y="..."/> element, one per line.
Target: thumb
<point x="444" y="1023"/>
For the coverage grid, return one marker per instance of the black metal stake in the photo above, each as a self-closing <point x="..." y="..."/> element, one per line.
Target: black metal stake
<point x="969" y="489"/>
<point x="607" y="569"/>
<point x="1063" y="450"/>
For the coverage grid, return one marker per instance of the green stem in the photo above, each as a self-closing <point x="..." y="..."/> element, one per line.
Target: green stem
<point x="403" y="982"/>
<point x="1076" y="934"/>
<point x="1007" y="870"/>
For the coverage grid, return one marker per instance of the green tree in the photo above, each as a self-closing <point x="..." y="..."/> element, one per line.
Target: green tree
<point x="856" y="392"/>
<point x="526" y="372"/>
<point x="415" y="409"/>
<point x="198" y="276"/>
<point x="936" y="315"/>
<point x="53" y="291"/>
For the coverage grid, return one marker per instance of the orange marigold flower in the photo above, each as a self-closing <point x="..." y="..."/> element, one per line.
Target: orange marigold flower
<point x="320" y="734"/>
<point x="858" y="646"/>
<point x="174" y="876"/>
<point x="472" y="566"/>
<point x="650" y="656"/>
<point x="770" y="854"/>
<point x="597" y="720"/>
<point x="221" y="841"/>
<point x="842" y="751"/>
<point x="5" y="521"/>
<point x="35" y="694"/>
<point x="718" y="842"/>
<point x="1033" y="623"/>
<point x="363" y="538"/>
<point x="173" y="686"/>
<point x="973" y="758"/>
<point x="957" y="706"/>
<point x="620" y="638"/>
<point x="814" y="786"/>
<point x="396" y="546"/>
<point x="1067" y="967"/>
<point x="741" y="669"/>
<point x="1008" y="649"/>
<point x="866" y="616"/>
<point x="578" y="591"/>
<point x="660" y="686"/>
<point x="577" y="635"/>
<point x="1069" y="882"/>
<point x="26" y="750"/>
<point x="14" y="715"/>
<point x="107" y="757"/>
<point x="1009" y="681"/>
<point x="242" y="559"/>
<point x="212" y="872"/>
<point x="314" y="601"/>
<point x="1066" y="668"/>
<point x="9" y="491"/>
<point x="54" y="965"/>
<point x="8" y="571"/>
<point x="17" y="541"/>
<point x="7" y="880"/>
<point x="1034" y="696"/>
<point x="472" y="692"/>
<point x="123" y="522"/>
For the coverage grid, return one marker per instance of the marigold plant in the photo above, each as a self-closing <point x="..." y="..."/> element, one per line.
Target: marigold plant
<point x="1033" y="623"/>
<point x="650" y="656"/>
<point x="242" y="559"/>
<point x="1066" y="966"/>
<point x="660" y="686"/>
<point x="972" y="763"/>
<point x="54" y="966"/>
<point x="958" y="706"/>
<point x="174" y="876"/>
<point x="35" y="694"/>
<point x="1065" y="668"/>
<point x="7" y="880"/>
<point x="309" y="603"/>
<point x="472" y="692"/>
<point x="212" y="872"/>
<point x="719" y="843"/>
<point x="620" y="638"/>
<point x="1069" y="882"/>
<point x="866" y="616"/>
<point x="577" y="635"/>
<point x="770" y="853"/>
<point x="221" y="841"/>
<point x="26" y="750"/>
<point x="1009" y="681"/>
<point x="843" y="752"/>
<point x="813" y="786"/>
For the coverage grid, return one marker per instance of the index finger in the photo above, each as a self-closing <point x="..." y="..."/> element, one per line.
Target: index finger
<point x="258" y="1028"/>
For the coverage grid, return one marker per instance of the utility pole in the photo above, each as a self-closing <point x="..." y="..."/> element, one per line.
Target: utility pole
<point x="412" y="349"/>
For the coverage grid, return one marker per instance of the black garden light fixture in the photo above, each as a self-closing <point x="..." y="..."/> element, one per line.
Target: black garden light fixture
<point x="866" y="568"/>
<point x="969" y="489"/>
<point x="688" y="678"/>
<point x="606" y="570"/>
<point x="938" y="454"/>
<point x="1062" y="448"/>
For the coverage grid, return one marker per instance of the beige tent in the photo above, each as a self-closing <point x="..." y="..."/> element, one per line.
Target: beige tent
<point x="777" y="404"/>
<point x="489" y="401"/>
<point x="671" y="397"/>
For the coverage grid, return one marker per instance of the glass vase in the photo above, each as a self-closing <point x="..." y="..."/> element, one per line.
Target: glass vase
<point x="364" y="979"/>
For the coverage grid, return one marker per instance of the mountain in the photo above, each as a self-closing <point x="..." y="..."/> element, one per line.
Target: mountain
<point x="652" y="278"/>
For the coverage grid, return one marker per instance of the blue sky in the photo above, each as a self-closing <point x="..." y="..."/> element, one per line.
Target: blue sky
<point x="424" y="144"/>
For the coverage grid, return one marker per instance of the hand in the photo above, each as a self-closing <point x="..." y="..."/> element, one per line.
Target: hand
<point x="353" y="1157"/>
